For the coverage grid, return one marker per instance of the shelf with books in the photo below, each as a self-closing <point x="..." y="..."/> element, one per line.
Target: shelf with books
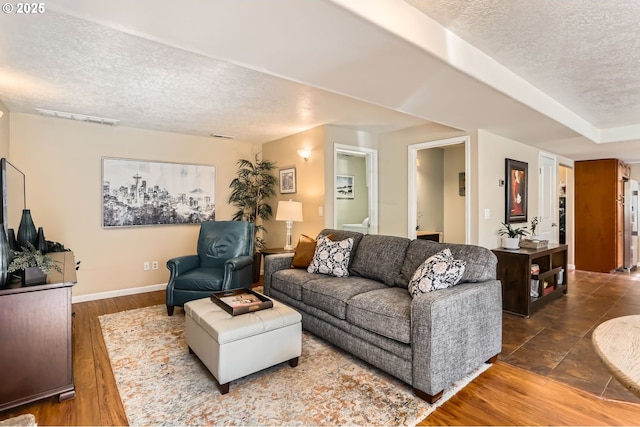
<point x="531" y="278"/>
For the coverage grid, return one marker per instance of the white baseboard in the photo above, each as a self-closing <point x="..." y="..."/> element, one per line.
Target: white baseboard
<point x="118" y="293"/>
<point x="571" y="267"/>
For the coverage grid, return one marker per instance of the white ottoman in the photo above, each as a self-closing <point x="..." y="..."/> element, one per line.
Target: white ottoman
<point x="232" y="347"/>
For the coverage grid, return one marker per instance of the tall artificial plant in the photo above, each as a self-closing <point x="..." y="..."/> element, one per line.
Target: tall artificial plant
<point x="251" y="190"/>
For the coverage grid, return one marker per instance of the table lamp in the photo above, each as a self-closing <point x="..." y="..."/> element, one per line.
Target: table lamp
<point x="289" y="211"/>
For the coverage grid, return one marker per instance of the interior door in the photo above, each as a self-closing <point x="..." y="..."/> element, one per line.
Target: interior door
<point x="547" y="199"/>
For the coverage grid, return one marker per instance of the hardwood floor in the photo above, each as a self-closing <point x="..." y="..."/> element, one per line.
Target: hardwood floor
<point x="503" y="395"/>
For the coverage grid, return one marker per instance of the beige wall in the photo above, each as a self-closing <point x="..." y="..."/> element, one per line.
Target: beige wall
<point x="454" y="204"/>
<point x="393" y="155"/>
<point x="310" y="183"/>
<point x="62" y="163"/>
<point x="430" y="189"/>
<point x="4" y="131"/>
<point x="492" y="152"/>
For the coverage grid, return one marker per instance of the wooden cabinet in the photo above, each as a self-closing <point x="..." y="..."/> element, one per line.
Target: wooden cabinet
<point x="35" y="332"/>
<point x="518" y="281"/>
<point x="599" y="219"/>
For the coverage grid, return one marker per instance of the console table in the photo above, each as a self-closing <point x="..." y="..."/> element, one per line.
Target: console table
<point x="514" y="271"/>
<point x="35" y="332"/>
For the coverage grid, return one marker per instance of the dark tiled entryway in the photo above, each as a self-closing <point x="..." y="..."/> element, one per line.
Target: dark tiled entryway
<point x="556" y="341"/>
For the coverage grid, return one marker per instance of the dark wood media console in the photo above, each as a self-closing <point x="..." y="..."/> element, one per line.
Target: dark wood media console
<point x="514" y="271"/>
<point x="35" y="334"/>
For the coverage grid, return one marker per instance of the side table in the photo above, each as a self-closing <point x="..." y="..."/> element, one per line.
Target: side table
<point x="273" y="251"/>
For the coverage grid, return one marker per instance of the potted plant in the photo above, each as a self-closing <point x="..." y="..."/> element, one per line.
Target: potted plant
<point x="32" y="264"/>
<point x="511" y="236"/>
<point x="534" y="225"/>
<point x="251" y="190"/>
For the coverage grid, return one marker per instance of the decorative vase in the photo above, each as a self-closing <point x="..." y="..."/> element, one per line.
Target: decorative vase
<point x="27" y="230"/>
<point x="42" y="243"/>
<point x="11" y="237"/>
<point x="33" y="276"/>
<point x="511" y="243"/>
<point x="5" y="257"/>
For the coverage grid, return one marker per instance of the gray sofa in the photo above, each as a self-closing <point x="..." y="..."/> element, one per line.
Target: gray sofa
<point x="429" y="341"/>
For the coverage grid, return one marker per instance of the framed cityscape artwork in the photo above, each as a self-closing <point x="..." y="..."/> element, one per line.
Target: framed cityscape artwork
<point x="140" y="192"/>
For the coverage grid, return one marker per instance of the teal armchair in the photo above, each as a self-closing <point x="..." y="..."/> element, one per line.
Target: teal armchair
<point x="224" y="261"/>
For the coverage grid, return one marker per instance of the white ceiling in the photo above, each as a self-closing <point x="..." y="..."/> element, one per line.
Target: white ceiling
<point x="557" y="74"/>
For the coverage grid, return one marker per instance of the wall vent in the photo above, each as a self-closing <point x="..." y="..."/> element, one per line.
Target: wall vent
<point x="219" y="135"/>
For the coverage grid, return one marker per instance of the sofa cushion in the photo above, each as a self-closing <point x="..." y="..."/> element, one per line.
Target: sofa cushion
<point x="481" y="262"/>
<point x="331" y="294"/>
<point x="331" y="258"/>
<point x="439" y="271"/>
<point x="289" y="281"/>
<point x="380" y="258"/>
<point x="386" y="312"/>
<point x="304" y="251"/>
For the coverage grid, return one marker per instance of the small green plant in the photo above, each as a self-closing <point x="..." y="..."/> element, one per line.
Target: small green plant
<point x="534" y="224"/>
<point x="509" y="231"/>
<point x="31" y="257"/>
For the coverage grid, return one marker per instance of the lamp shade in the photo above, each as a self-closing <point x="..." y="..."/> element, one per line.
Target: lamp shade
<point x="289" y="211"/>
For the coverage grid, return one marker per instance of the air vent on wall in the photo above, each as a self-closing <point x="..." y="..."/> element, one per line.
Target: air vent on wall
<point x="79" y="117"/>
<point x="219" y="135"/>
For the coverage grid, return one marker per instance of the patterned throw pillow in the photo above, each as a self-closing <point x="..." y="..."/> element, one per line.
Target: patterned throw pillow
<point x="439" y="271"/>
<point x="331" y="258"/>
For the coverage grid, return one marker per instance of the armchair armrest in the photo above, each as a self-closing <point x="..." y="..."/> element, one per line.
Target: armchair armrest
<point x="182" y="264"/>
<point x="238" y="273"/>
<point x="454" y="331"/>
<point x="273" y="263"/>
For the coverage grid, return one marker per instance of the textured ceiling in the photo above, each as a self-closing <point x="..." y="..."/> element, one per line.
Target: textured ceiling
<point x="585" y="54"/>
<point x="560" y="75"/>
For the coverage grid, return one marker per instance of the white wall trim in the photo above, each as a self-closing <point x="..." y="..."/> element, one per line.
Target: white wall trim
<point x="412" y="207"/>
<point x="118" y="293"/>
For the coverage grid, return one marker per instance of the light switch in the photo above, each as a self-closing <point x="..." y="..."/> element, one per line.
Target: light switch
<point x="487" y="213"/>
<point x="320" y="211"/>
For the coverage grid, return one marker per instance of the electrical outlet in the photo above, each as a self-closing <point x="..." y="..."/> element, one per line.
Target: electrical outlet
<point x="145" y="266"/>
<point x="154" y="265"/>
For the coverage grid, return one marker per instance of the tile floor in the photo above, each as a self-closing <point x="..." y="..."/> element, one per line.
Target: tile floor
<point x="556" y="340"/>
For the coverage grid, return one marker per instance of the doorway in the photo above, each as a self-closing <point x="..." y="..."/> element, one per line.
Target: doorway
<point x="437" y="190"/>
<point x="355" y="198"/>
<point x="548" y="204"/>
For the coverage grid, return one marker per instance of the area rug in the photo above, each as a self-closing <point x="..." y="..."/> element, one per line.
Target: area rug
<point x="28" y="420"/>
<point x="160" y="383"/>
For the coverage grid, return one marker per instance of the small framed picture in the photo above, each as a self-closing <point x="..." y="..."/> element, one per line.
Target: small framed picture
<point x="287" y="180"/>
<point x="344" y="186"/>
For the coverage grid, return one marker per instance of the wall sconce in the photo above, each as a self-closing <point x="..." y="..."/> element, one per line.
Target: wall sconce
<point x="289" y="211"/>
<point x="1" y="113"/>
<point x="305" y="154"/>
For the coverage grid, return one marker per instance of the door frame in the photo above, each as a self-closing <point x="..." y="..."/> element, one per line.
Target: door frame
<point x="412" y="207"/>
<point x="371" y="158"/>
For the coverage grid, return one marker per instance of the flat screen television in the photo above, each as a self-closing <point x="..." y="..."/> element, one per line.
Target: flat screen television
<point x="12" y="182"/>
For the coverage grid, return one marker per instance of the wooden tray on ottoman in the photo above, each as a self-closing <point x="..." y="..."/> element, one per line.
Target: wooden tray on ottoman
<point x="241" y="301"/>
